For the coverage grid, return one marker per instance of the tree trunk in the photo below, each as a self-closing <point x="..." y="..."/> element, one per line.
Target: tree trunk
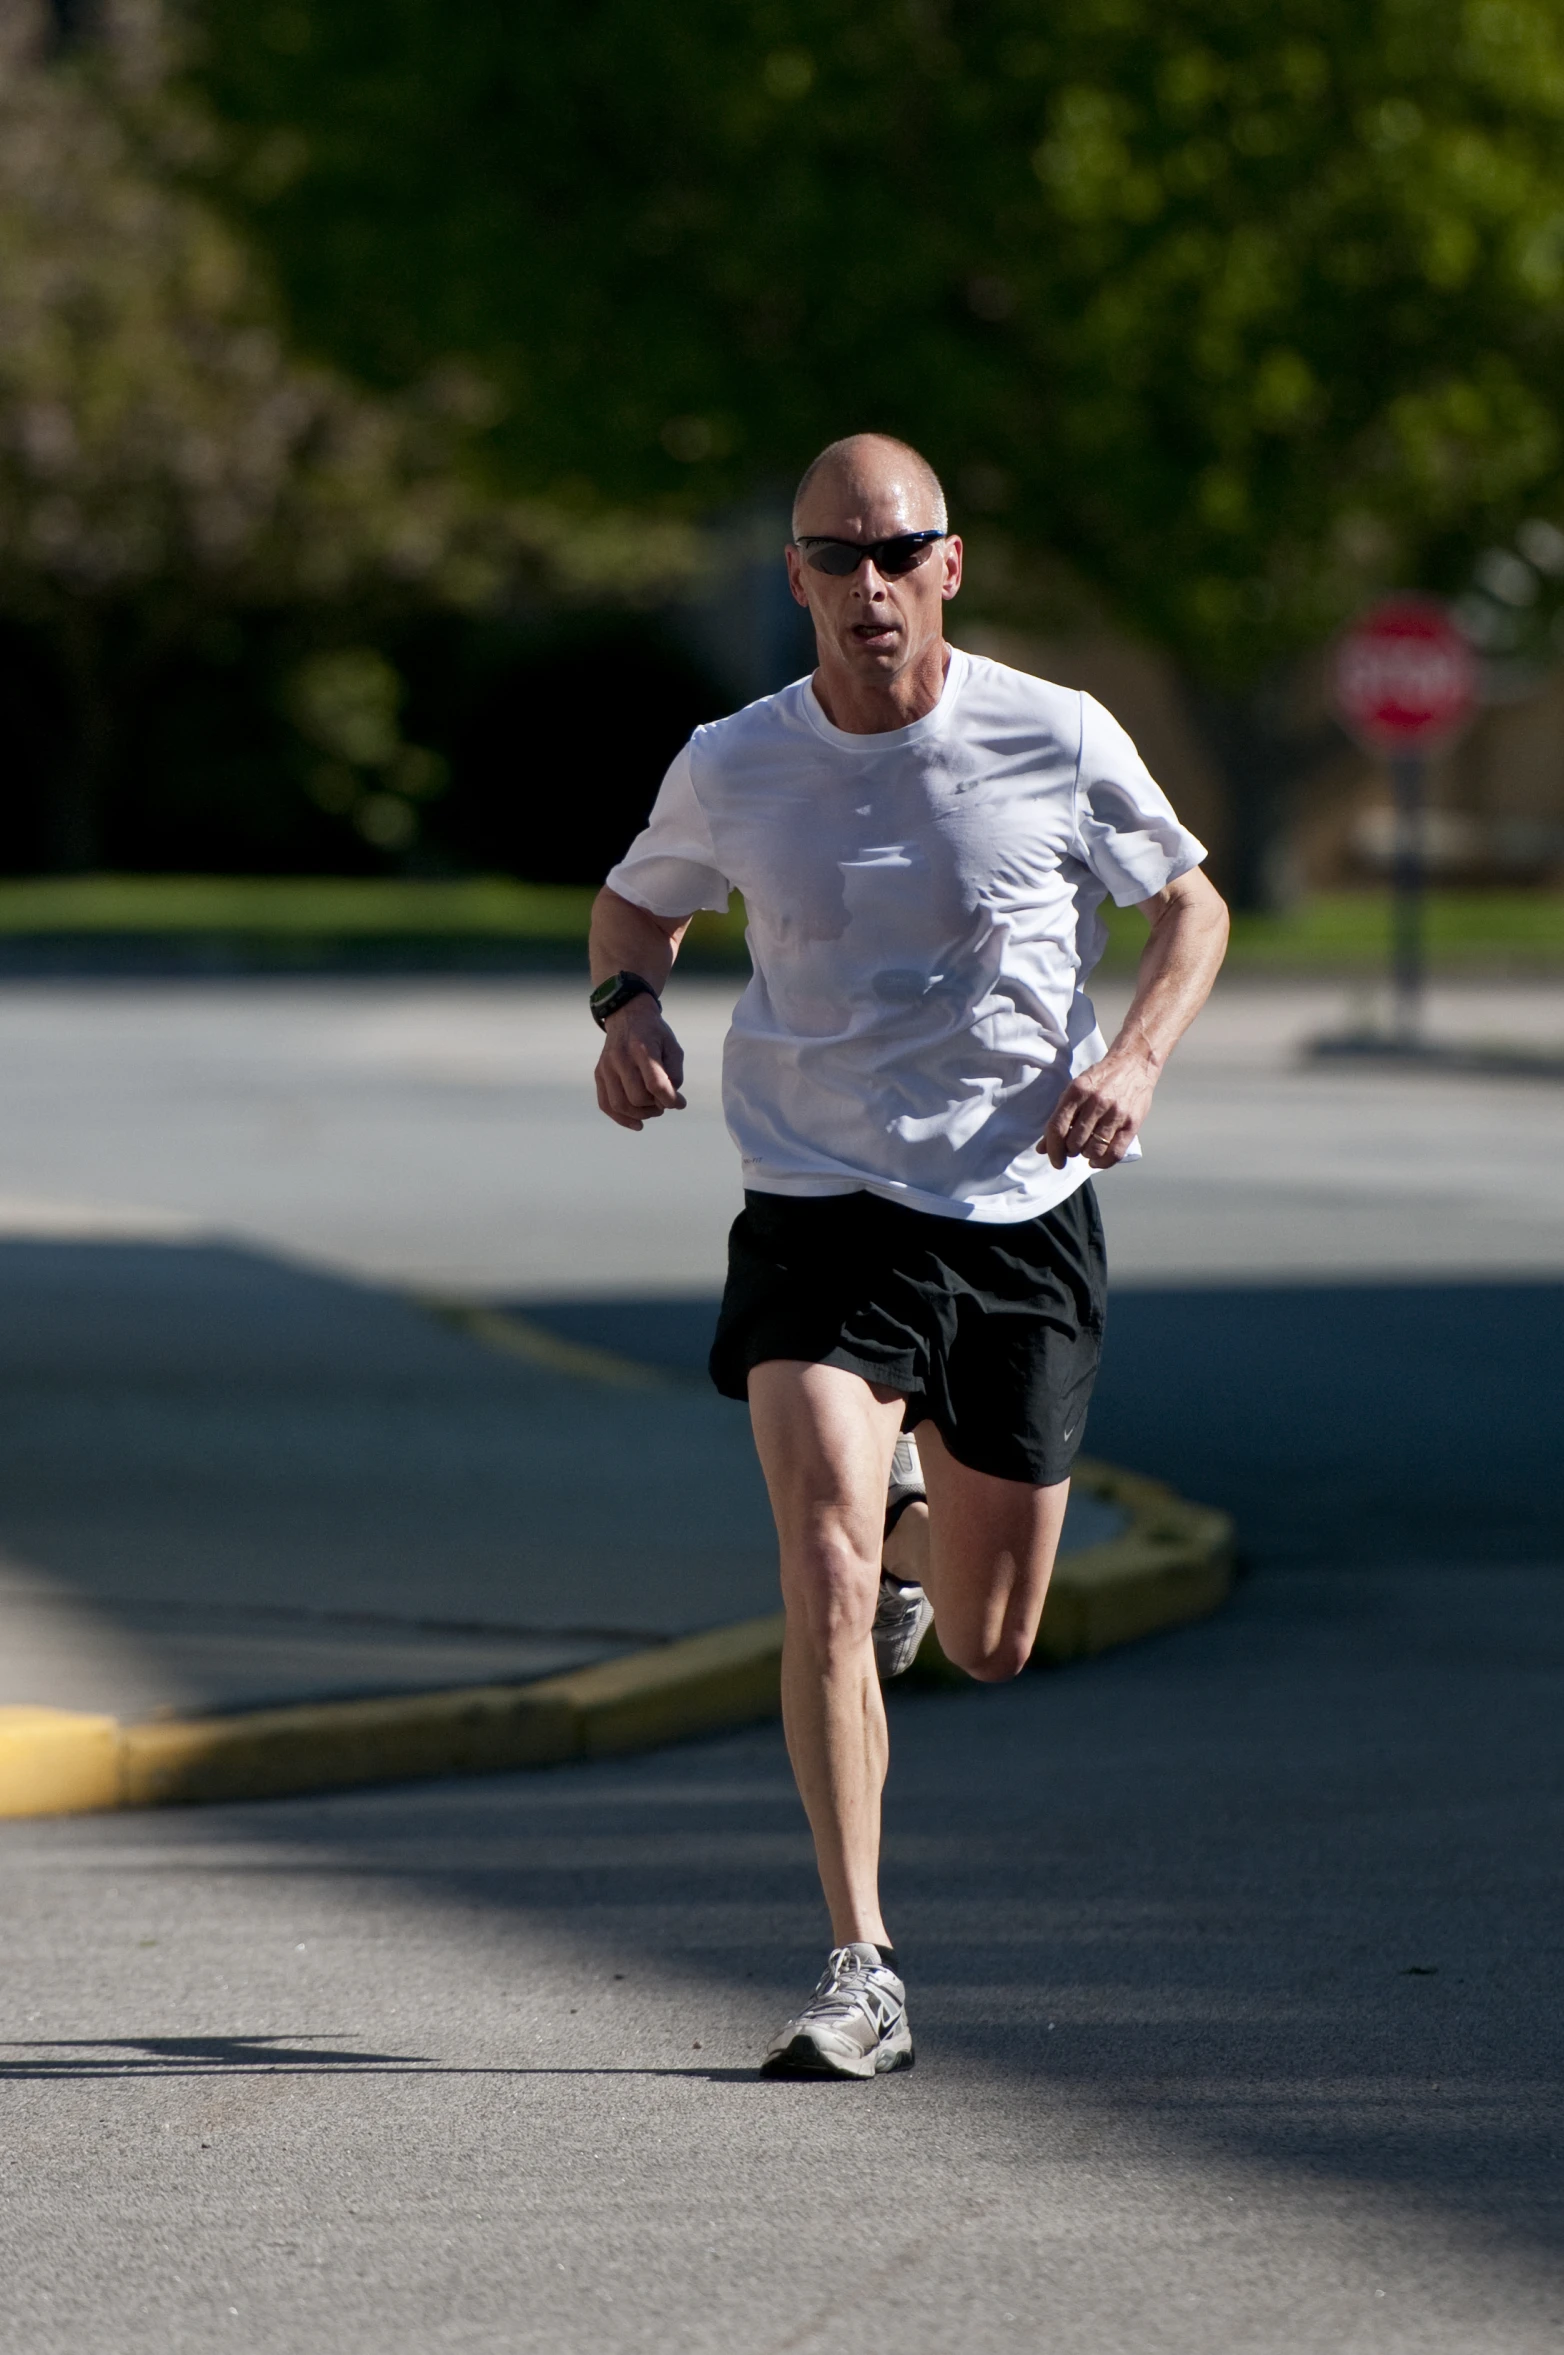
<point x="1264" y="754"/>
<point x="75" y="832"/>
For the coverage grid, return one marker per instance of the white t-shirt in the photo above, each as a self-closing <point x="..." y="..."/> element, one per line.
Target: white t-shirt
<point x="923" y="917"/>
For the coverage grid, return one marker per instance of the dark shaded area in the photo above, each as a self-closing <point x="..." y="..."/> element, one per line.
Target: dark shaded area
<point x="557" y="737"/>
<point x="34" y="721"/>
<point x="673" y="1335"/>
<point x="1266" y="760"/>
<point x="1336" y="1422"/>
<point x="72" y="23"/>
<point x="200" y="1425"/>
<point x="119" y="2057"/>
<point x="1349" y="1422"/>
<point x="1287" y="1882"/>
<point x="180" y="2056"/>
<point x="554" y="735"/>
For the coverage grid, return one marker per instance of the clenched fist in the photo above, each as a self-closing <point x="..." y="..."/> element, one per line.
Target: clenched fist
<point x="1100" y="1112"/>
<point x="641" y="1068"/>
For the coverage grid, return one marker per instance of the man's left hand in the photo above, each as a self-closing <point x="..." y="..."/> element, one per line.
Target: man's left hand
<point x="1100" y="1113"/>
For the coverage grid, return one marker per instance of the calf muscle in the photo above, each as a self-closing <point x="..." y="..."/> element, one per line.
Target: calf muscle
<point x="992" y="1545"/>
<point x="824" y="1439"/>
<point x="984" y="1550"/>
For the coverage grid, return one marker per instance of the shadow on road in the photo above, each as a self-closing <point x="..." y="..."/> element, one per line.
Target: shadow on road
<point x="1283" y="1887"/>
<point x="184" y="2056"/>
<point x="1337" y="1422"/>
<point x="255" y="1481"/>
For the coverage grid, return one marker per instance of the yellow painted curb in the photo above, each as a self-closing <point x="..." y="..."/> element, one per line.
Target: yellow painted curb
<point x="57" y="1762"/>
<point x="261" y="1753"/>
<point x="1172" y="1564"/>
<point x="731" y="1676"/>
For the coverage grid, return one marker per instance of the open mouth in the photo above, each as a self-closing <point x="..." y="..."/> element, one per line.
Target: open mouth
<point x="874" y="633"/>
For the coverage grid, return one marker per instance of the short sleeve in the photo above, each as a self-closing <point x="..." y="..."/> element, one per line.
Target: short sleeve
<point x="671" y="868"/>
<point x="1124" y="822"/>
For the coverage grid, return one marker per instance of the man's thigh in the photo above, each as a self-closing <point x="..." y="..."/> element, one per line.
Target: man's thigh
<point x="824" y="1437"/>
<point x="992" y="1545"/>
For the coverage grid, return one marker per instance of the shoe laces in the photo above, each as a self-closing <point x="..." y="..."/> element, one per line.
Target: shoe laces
<point x="848" y="1984"/>
<point x="899" y="1597"/>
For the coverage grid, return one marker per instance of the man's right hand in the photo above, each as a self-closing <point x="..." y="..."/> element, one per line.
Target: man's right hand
<point x="641" y="1068"/>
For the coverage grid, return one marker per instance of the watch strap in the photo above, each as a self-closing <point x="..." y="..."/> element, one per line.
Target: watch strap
<point x="617" y="991"/>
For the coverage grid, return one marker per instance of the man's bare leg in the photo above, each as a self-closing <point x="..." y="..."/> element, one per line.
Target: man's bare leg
<point x="983" y="1548"/>
<point x="983" y="1551"/>
<point x="824" y="1438"/>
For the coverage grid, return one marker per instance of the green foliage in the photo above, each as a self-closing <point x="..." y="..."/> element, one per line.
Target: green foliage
<point x="1242" y="311"/>
<point x="170" y="464"/>
<point x="346" y="701"/>
<point x="156" y="436"/>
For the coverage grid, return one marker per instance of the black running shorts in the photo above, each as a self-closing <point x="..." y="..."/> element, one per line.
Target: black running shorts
<point x="991" y="1333"/>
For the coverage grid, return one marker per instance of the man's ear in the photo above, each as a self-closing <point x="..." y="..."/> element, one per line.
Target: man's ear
<point x="795" y="576"/>
<point x="952" y="581"/>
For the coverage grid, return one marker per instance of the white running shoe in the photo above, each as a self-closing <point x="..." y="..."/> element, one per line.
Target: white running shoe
<point x="854" y="2025"/>
<point x="902" y="1618"/>
<point x="903" y="1614"/>
<point x="905" y="1486"/>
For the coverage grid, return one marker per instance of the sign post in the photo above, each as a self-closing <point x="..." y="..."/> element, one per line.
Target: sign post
<point x="1406" y="684"/>
<point x="1408" y="879"/>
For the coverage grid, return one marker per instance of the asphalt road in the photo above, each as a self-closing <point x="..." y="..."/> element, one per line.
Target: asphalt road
<point x="229" y="1480"/>
<point x="1234" y="1958"/>
<point x="1234" y="1968"/>
<point x="444" y="1136"/>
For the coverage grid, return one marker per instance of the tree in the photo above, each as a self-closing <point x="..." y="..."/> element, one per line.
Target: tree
<point x="163" y="453"/>
<point x="1239" y="312"/>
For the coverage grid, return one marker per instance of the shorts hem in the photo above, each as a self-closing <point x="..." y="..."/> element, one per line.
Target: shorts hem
<point x="1027" y="1467"/>
<point x="732" y="1383"/>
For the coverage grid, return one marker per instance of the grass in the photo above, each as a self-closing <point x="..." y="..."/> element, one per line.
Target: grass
<point x="293" y="916"/>
<point x="314" y="906"/>
<point x="1348" y="932"/>
<point x="1341" y="932"/>
<point x="1515" y="930"/>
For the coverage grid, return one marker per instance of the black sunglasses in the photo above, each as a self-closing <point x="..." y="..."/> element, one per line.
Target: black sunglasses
<point x="902" y="552"/>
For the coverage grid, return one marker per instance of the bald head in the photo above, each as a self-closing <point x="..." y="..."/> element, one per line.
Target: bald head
<point x="864" y="470"/>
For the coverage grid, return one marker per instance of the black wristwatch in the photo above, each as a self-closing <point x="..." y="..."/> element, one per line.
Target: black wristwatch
<point x="617" y="991"/>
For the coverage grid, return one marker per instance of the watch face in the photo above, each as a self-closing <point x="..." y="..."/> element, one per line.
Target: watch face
<point x="617" y="991"/>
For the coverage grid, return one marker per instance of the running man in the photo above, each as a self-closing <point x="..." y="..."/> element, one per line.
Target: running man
<point x="919" y="1092"/>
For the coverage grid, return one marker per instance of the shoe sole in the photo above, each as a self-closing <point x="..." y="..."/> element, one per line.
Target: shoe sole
<point x="802" y="2059"/>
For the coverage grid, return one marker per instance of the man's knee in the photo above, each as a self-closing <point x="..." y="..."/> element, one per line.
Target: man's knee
<point x="988" y="1663"/>
<point x="830" y="1591"/>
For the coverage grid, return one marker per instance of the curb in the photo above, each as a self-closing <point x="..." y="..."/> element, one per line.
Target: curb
<point x="1172" y="1565"/>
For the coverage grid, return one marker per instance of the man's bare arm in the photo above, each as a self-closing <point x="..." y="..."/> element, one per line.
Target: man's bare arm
<point x="641" y="1068"/>
<point x="1101" y="1112"/>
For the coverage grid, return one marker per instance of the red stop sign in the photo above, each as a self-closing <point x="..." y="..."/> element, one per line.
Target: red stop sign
<point x="1406" y="679"/>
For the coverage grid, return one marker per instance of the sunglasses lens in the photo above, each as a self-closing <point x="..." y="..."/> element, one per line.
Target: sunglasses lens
<point x="891" y="557"/>
<point x="903" y="554"/>
<point x="837" y="557"/>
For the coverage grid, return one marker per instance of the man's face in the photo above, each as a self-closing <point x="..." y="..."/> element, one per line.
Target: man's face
<point x="873" y="626"/>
